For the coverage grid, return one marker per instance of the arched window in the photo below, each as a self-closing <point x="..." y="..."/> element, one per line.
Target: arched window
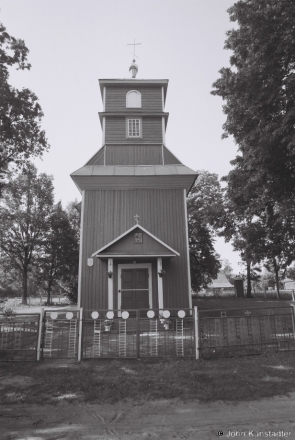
<point x="133" y="99"/>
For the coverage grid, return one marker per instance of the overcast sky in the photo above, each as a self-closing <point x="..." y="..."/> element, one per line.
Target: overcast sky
<point x="73" y="43"/>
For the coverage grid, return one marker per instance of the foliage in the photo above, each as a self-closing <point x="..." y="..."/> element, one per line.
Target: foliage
<point x="260" y="114"/>
<point x="291" y="272"/>
<point x="228" y="270"/>
<point x="21" y="135"/>
<point x="24" y="213"/>
<point x="59" y="255"/>
<point x="259" y="92"/>
<point x="205" y="205"/>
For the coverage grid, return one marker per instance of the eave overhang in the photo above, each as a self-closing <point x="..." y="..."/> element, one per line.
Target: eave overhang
<point x="91" y="177"/>
<point x="134" y="113"/>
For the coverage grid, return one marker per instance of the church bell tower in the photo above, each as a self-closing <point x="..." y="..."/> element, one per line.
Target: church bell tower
<point x="134" y="235"/>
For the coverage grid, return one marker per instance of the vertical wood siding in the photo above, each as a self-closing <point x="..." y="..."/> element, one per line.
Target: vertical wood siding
<point x="169" y="158"/>
<point x="151" y="98"/>
<point x="110" y="213"/>
<point x="134" y="155"/>
<point x="116" y="130"/>
<point x="98" y="158"/>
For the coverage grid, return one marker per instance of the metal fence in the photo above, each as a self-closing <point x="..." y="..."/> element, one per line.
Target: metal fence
<point x="60" y="334"/>
<point x="239" y="332"/>
<point x="138" y="333"/>
<point x="19" y="336"/>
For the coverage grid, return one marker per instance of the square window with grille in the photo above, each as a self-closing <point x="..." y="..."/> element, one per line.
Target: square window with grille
<point x="134" y="128"/>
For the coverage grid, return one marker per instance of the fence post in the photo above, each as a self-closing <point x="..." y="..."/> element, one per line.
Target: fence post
<point x="137" y="333"/>
<point x="80" y="335"/>
<point x="196" y="332"/>
<point x="40" y="335"/>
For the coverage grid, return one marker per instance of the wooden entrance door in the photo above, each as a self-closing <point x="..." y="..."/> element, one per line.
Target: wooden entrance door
<point x="135" y="289"/>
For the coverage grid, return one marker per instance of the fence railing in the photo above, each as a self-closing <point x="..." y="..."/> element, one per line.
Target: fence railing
<point x="138" y="333"/>
<point x="19" y="337"/>
<point x="96" y="334"/>
<point x="242" y="332"/>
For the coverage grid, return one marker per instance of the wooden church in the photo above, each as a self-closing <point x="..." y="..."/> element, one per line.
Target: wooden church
<point x="134" y="235"/>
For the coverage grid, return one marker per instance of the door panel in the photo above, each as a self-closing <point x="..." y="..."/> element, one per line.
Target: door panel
<point x="134" y="279"/>
<point x="142" y="299"/>
<point x="142" y="278"/>
<point x="128" y="300"/>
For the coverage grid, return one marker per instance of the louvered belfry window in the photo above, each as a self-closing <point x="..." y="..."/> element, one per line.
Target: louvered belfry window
<point x="133" y="127"/>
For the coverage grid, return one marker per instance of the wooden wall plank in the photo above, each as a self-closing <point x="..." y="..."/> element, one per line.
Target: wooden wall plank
<point x="134" y="155"/>
<point x="110" y="213"/>
<point x="115" y="130"/>
<point x="151" y="98"/>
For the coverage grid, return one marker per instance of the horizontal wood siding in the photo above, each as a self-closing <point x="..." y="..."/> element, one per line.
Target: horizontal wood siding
<point x="151" y="98"/>
<point x="109" y="214"/>
<point x="169" y="158"/>
<point x="115" y="130"/>
<point x="98" y="159"/>
<point x="134" y="155"/>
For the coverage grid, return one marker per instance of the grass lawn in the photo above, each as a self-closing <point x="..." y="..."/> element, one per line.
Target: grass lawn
<point x="109" y="381"/>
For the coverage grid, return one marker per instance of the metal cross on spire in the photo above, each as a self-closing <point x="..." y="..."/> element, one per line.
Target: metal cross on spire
<point x="134" y="44"/>
<point x="136" y="218"/>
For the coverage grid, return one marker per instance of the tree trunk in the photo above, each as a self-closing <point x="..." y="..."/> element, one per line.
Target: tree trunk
<point x="48" y="293"/>
<point x="25" y="285"/>
<point x="249" y="295"/>
<point x="276" y="268"/>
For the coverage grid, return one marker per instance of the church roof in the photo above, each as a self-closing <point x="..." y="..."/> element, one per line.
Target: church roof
<point x="220" y="282"/>
<point x="124" y="245"/>
<point x="92" y="177"/>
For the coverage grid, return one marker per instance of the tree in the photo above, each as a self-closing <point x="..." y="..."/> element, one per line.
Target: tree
<point x="59" y="255"/>
<point x="205" y="205"/>
<point x="291" y="272"/>
<point x="24" y="213"/>
<point x="259" y="92"/>
<point x="228" y="270"/>
<point x="21" y="136"/>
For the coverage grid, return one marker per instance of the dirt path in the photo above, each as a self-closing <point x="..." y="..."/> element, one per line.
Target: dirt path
<point x="170" y="419"/>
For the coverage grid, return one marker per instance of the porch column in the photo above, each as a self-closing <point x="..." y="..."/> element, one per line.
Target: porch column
<point x="110" y="284"/>
<point x="160" y="284"/>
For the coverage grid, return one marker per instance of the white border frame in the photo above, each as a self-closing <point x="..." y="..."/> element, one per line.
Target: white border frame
<point x="135" y="266"/>
<point x="140" y="127"/>
<point x="81" y="250"/>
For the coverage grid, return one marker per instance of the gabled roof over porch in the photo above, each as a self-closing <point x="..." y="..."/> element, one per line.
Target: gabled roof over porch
<point x="136" y="242"/>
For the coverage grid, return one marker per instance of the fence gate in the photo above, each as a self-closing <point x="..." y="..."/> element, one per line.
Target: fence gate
<point x="138" y="333"/>
<point x="243" y="332"/>
<point x="19" y="336"/>
<point x="60" y="334"/>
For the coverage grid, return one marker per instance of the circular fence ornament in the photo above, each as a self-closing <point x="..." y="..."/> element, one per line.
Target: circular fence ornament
<point x="53" y="315"/>
<point x="181" y="313"/>
<point x="125" y="315"/>
<point x="94" y="315"/>
<point x="150" y="314"/>
<point x="69" y="315"/>
<point x="110" y="315"/>
<point x="166" y="314"/>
